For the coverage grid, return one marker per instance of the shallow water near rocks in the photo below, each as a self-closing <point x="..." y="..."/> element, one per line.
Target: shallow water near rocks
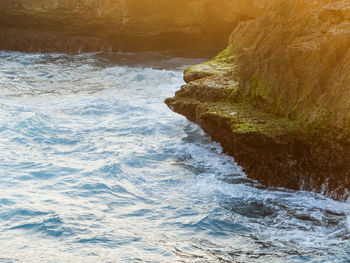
<point x="95" y="168"/>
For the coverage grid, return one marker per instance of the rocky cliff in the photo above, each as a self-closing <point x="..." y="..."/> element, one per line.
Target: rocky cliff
<point x="70" y="25"/>
<point x="278" y="98"/>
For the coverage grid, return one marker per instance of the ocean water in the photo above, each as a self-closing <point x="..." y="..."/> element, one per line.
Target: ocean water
<point x="95" y="168"/>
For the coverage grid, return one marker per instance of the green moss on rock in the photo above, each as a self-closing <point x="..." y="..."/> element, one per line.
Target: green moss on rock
<point x="223" y="65"/>
<point x="257" y="89"/>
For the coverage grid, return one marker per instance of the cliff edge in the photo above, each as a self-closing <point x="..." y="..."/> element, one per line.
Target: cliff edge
<point x="278" y="97"/>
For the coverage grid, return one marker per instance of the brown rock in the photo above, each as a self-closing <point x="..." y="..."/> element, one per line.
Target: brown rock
<point x="292" y="97"/>
<point x="123" y="24"/>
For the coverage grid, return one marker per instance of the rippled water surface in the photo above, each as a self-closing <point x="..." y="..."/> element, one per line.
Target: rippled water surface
<point x="95" y="168"/>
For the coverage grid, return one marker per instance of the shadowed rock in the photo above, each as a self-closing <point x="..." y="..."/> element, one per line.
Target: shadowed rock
<point x="132" y="25"/>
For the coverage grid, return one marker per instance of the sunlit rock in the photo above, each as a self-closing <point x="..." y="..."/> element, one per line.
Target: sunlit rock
<point x="291" y="66"/>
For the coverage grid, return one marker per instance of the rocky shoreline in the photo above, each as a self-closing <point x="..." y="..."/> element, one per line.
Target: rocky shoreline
<point x="275" y="151"/>
<point x="277" y="98"/>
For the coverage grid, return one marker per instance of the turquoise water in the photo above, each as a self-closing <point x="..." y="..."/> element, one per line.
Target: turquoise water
<point x="95" y="168"/>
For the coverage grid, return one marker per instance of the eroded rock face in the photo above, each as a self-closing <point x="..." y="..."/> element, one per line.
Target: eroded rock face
<point x="300" y="51"/>
<point x="281" y="103"/>
<point x="124" y="24"/>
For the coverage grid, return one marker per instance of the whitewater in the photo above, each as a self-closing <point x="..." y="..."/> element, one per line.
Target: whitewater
<point x="95" y="168"/>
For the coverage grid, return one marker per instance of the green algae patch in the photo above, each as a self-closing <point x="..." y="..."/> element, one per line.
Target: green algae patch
<point x="235" y="93"/>
<point x="226" y="56"/>
<point x="258" y="89"/>
<point x="245" y="127"/>
<point x="223" y="65"/>
<point x="208" y="69"/>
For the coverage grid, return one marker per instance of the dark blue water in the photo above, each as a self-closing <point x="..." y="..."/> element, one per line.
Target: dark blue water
<point x="95" y="168"/>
